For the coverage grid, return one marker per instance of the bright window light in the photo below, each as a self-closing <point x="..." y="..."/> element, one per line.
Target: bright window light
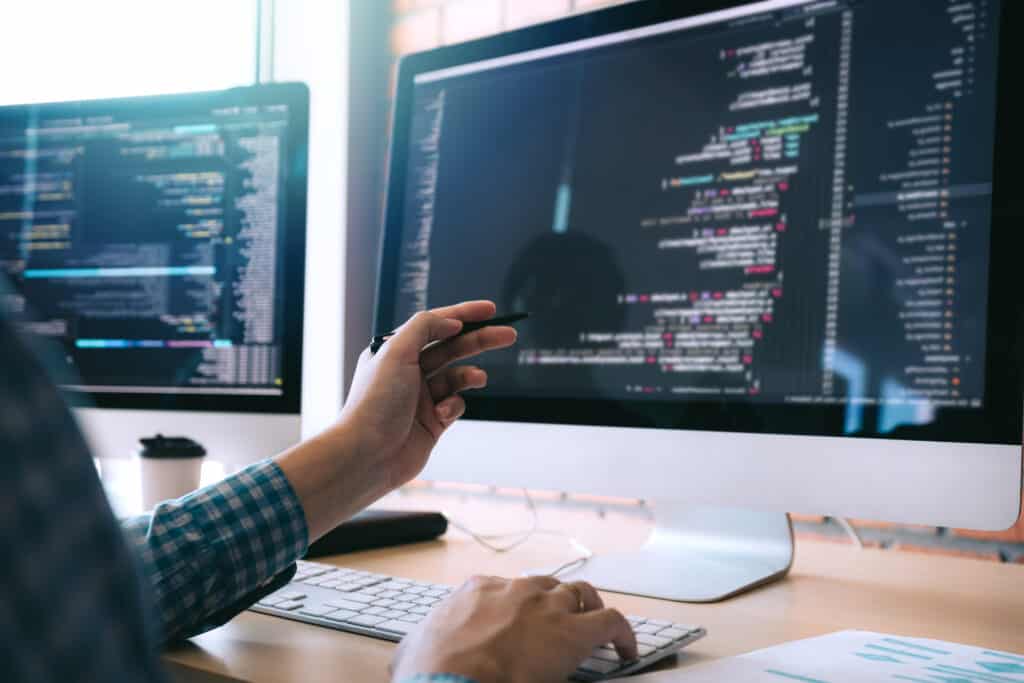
<point x="72" y="49"/>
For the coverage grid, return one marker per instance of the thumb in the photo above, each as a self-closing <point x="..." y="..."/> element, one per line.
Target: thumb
<point x="422" y="329"/>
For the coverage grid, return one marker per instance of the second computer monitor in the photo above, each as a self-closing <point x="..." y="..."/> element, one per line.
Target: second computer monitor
<point x="159" y="243"/>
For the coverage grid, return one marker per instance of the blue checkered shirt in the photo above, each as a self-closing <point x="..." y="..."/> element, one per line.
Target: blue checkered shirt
<point x="87" y="599"/>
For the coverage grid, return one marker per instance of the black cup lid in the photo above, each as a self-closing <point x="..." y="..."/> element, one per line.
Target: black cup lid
<point x="161" y="446"/>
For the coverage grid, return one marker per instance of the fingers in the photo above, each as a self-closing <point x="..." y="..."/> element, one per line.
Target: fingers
<point x="609" y="626"/>
<point x="544" y="583"/>
<point x="482" y="583"/>
<point x="487" y="339"/>
<point x="455" y="380"/>
<point x="422" y="329"/>
<point x="576" y="592"/>
<point x="467" y="311"/>
<point x="450" y="409"/>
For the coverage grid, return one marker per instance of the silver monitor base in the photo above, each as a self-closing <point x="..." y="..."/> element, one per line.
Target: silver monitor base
<point x="697" y="554"/>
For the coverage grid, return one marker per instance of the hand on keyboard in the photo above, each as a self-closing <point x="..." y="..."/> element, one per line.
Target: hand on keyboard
<point x="533" y="629"/>
<point x="486" y="624"/>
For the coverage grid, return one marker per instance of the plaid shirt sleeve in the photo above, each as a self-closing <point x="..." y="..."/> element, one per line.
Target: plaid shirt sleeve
<point x="215" y="552"/>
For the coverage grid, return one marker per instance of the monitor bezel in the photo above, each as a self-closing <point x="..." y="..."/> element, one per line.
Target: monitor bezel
<point x="1001" y="419"/>
<point x="296" y="97"/>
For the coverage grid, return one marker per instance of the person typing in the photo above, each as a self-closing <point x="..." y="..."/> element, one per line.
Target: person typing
<point x="87" y="599"/>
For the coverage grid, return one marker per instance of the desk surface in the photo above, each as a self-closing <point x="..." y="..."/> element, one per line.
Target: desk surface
<point x="831" y="587"/>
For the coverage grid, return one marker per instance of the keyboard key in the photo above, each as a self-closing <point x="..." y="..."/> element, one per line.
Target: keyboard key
<point x="606" y="655"/>
<point x="346" y="604"/>
<point x="270" y="601"/>
<point x="392" y="614"/>
<point x="636" y="621"/>
<point x="420" y="609"/>
<point x="435" y="593"/>
<point x="598" y="665"/>
<point x="403" y="606"/>
<point x="644" y="650"/>
<point x="348" y="587"/>
<point x="318" y="611"/>
<point x="377" y="611"/>
<point x="388" y="594"/>
<point x="289" y="605"/>
<point x="384" y="603"/>
<point x="292" y="595"/>
<point x="341" y="615"/>
<point x="659" y="622"/>
<point x="412" y="618"/>
<point x="362" y="597"/>
<point x="372" y="591"/>
<point x="648" y="628"/>
<point x="656" y="641"/>
<point x="397" y="626"/>
<point x="416" y="590"/>
<point x="314" y="570"/>
<point x="396" y="585"/>
<point x="367" y="620"/>
<point x="673" y="633"/>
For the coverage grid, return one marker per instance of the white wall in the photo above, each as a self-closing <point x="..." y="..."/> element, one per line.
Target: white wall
<point x="311" y="45"/>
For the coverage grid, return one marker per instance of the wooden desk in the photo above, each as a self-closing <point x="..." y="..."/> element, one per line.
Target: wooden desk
<point x="832" y="587"/>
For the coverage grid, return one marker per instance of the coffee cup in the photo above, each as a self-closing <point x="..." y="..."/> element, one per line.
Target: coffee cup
<point x="171" y="467"/>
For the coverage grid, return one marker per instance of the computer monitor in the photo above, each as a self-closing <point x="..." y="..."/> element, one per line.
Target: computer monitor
<point x="160" y="241"/>
<point x="769" y="251"/>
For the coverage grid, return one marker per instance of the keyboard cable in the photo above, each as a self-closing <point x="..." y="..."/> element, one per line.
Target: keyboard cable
<point x="497" y="542"/>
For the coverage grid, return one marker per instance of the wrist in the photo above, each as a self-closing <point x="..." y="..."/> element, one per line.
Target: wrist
<point x="438" y="678"/>
<point x="474" y="667"/>
<point x="332" y="478"/>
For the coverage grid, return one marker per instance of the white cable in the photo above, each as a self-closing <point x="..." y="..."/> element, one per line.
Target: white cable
<point x="521" y="537"/>
<point x="585" y="555"/>
<point x="850" y="531"/>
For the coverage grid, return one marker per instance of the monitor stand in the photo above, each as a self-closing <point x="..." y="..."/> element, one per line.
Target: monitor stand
<point x="697" y="554"/>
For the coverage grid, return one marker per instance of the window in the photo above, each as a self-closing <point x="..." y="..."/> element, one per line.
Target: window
<point x="68" y="49"/>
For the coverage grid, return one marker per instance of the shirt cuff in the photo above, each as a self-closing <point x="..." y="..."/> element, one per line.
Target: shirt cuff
<point x="219" y="549"/>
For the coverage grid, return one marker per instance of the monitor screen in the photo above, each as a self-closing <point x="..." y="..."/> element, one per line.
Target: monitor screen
<point x="730" y="217"/>
<point x="151" y="237"/>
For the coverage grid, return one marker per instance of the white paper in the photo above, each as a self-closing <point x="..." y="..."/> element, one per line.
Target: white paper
<point x="857" y="657"/>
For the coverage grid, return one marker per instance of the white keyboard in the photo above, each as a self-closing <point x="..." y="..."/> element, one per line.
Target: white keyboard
<point x="388" y="607"/>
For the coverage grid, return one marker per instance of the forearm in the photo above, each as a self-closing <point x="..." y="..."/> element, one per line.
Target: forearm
<point x="332" y="479"/>
<point x="210" y="554"/>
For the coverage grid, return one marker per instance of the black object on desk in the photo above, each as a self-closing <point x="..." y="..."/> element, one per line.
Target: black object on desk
<point x="170" y="447"/>
<point x="379" y="529"/>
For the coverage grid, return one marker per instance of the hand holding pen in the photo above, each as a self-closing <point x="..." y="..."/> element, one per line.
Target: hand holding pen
<point x="402" y="400"/>
<point x="468" y="327"/>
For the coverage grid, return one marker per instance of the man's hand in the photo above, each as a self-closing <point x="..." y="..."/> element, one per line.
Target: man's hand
<point x="526" y="630"/>
<point x="404" y="397"/>
<point x="401" y="401"/>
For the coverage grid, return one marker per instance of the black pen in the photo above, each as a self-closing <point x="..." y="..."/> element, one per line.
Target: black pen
<point x="379" y="340"/>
